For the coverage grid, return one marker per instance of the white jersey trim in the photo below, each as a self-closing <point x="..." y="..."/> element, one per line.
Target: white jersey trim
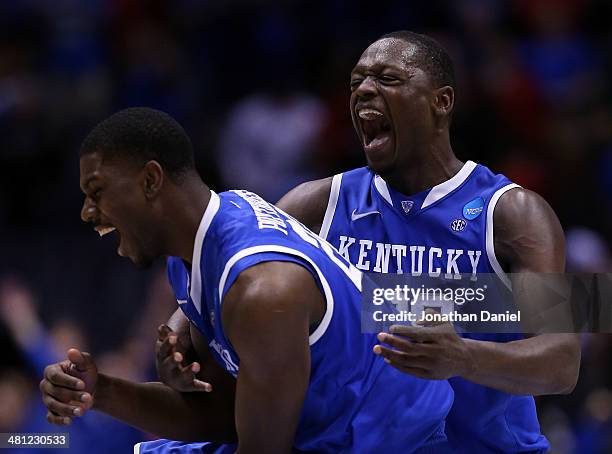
<point x="196" y="277"/>
<point x="490" y="233"/>
<point x="329" y="299"/>
<point x="331" y="206"/>
<point x="382" y="188"/>
<point x="137" y="448"/>
<point x="443" y="189"/>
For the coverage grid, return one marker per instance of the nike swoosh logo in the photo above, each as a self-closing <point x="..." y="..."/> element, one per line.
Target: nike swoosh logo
<point x="182" y="301"/>
<point x="355" y="216"/>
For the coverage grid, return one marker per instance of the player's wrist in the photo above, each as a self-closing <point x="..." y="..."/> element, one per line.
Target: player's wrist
<point x="470" y="355"/>
<point x="102" y="391"/>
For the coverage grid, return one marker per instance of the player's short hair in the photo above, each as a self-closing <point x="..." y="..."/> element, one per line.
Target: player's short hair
<point x="430" y="56"/>
<point x="141" y="134"/>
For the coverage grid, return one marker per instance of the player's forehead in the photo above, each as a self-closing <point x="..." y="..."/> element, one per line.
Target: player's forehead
<point x="95" y="167"/>
<point x="392" y="53"/>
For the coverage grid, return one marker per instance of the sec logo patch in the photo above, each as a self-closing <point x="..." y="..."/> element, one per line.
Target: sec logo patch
<point x="458" y="225"/>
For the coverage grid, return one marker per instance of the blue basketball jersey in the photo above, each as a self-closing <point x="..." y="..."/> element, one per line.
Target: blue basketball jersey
<point x="354" y="402"/>
<point x="444" y="231"/>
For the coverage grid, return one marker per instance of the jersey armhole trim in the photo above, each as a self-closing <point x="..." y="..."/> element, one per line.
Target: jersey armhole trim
<point x="329" y="299"/>
<point x="490" y="231"/>
<point x="331" y="206"/>
<point x="137" y="448"/>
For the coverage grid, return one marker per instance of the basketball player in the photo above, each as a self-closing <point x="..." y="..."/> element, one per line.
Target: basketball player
<point x="279" y="310"/>
<point x="416" y="208"/>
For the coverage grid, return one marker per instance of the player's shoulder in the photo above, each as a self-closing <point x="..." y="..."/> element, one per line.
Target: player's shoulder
<point x="522" y="206"/>
<point x="307" y="202"/>
<point x="527" y="228"/>
<point x="247" y="221"/>
<point x="242" y="212"/>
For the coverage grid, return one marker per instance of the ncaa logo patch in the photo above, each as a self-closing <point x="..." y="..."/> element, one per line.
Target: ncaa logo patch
<point x="458" y="225"/>
<point x="473" y="208"/>
<point x="407" y="205"/>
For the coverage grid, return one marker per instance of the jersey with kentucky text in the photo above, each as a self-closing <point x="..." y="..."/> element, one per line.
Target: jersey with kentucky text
<point x="354" y="402"/>
<point x="446" y="232"/>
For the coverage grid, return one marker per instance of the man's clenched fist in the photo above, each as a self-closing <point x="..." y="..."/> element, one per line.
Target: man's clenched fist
<point x="68" y="387"/>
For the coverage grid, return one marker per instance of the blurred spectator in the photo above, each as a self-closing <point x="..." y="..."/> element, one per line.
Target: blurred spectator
<point x="268" y="143"/>
<point x="587" y="251"/>
<point x="22" y="409"/>
<point x="18" y="312"/>
<point x="594" y="431"/>
<point x="15" y="392"/>
<point x="557" y="426"/>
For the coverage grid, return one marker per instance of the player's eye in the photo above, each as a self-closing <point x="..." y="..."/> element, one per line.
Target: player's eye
<point x="388" y="80"/>
<point x="355" y="83"/>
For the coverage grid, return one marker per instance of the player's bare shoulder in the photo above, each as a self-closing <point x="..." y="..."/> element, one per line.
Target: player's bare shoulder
<point x="528" y="230"/>
<point x="308" y="202"/>
<point x="272" y="292"/>
<point x="273" y="285"/>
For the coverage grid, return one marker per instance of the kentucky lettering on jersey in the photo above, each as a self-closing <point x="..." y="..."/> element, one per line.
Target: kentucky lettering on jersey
<point x="445" y="231"/>
<point x="354" y="401"/>
<point x="376" y="257"/>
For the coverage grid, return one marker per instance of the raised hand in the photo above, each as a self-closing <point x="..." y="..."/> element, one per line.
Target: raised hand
<point x="18" y="311"/>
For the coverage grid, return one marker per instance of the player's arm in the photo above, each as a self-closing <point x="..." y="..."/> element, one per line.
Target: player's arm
<point x="267" y="315"/>
<point x="165" y="412"/>
<point x="158" y="409"/>
<point x="308" y="202"/>
<point x="529" y="238"/>
<point x="153" y="407"/>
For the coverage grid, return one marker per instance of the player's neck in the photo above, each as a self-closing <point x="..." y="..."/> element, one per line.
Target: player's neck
<point x="189" y="203"/>
<point x="432" y="166"/>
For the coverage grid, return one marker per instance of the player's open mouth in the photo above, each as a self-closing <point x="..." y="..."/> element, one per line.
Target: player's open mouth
<point x="375" y="128"/>
<point x="104" y="230"/>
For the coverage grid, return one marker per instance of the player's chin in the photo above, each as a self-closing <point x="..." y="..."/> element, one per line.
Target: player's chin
<point x="381" y="160"/>
<point x="142" y="263"/>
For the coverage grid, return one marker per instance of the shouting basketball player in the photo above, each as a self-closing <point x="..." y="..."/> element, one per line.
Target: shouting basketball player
<point x="416" y="208"/>
<point x="277" y="307"/>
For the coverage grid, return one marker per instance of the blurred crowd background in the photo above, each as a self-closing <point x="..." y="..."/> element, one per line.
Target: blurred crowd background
<point x="262" y="88"/>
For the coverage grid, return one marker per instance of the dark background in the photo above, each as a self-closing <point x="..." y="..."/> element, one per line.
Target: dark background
<point x="262" y="88"/>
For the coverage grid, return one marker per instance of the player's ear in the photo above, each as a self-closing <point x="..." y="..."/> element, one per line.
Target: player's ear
<point x="444" y="101"/>
<point x="153" y="179"/>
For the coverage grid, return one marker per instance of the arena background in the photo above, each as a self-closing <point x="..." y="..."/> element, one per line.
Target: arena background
<point x="262" y="88"/>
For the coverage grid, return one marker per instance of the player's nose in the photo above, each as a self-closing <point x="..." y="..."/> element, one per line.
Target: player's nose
<point x="88" y="211"/>
<point x="367" y="88"/>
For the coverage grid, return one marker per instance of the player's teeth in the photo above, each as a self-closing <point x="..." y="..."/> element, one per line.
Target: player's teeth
<point x="105" y="230"/>
<point x="369" y="114"/>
